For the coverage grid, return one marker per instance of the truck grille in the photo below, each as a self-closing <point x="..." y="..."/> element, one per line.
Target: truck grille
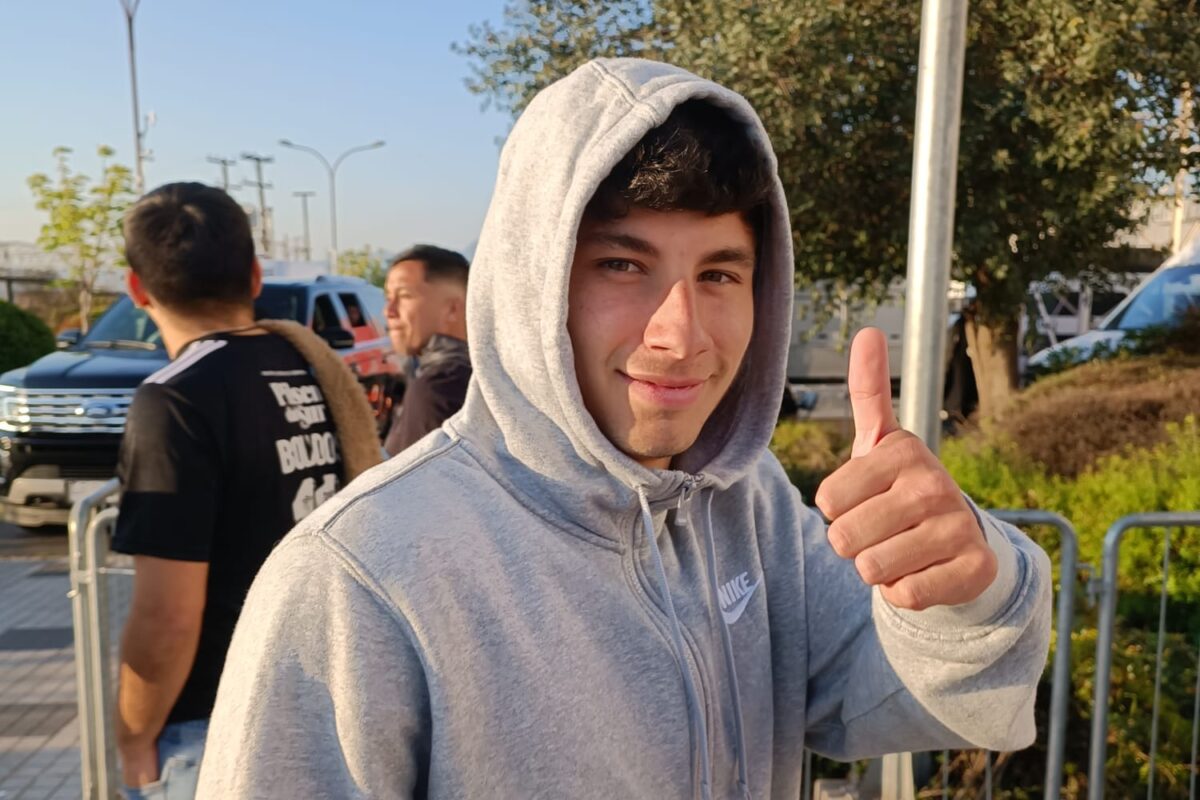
<point x="64" y="411"/>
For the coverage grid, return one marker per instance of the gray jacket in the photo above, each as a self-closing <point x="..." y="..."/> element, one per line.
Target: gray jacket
<point x="513" y="608"/>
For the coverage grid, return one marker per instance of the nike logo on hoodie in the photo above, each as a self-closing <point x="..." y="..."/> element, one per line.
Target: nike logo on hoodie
<point x="735" y="596"/>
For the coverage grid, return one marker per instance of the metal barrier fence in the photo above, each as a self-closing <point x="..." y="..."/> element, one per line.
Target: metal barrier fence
<point x="1104" y="650"/>
<point x="95" y="612"/>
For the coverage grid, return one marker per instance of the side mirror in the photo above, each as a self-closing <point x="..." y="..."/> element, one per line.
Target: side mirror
<point x="337" y="338"/>
<point x="68" y="338"/>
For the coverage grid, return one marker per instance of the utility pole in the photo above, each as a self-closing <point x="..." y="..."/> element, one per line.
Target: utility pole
<point x="130" y="8"/>
<point x="225" y="164"/>
<point x="265" y="229"/>
<point x="304" y="205"/>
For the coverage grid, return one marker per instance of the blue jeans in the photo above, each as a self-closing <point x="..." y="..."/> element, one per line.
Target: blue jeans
<point x="180" y="748"/>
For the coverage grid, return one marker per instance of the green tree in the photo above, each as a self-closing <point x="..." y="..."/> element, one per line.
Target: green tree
<point x="539" y="41"/>
<point x="1067" y="123"/>
<point x="85" y="221"/>
<point x="363" y="263"/>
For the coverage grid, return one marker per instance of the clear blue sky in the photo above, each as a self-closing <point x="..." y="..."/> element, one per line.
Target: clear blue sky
<point x="225" y="77"/>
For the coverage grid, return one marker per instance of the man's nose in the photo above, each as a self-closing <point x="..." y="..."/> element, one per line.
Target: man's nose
<point x="676" y="327"/>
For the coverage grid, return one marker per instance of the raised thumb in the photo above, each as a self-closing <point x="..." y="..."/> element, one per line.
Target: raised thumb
<point x="870" y="384"/>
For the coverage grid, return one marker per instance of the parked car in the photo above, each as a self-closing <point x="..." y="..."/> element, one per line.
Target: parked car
<point x="1170" y="290"/>
<point x="61" y="417"/>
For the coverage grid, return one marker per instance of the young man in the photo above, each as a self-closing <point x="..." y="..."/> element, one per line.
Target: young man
<point x="426" y="317"/>
<point x="224" y="451"/>
<point x="597" y="581"/>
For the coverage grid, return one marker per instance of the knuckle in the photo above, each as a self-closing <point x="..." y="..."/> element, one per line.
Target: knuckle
<point x="869" y="568"/>
<point x="910" y="448"/>
<point x="841" y="540"/>
<point x="901" y="595"/>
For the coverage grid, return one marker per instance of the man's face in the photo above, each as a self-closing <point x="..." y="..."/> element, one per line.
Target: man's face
<point x="416" y="308"/>
<point x="661" y="313"/>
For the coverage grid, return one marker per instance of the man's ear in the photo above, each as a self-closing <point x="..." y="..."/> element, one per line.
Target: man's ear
<point x="456" y="307"/>
<point x="137" y="292"/>
<point x="256" y="280"/>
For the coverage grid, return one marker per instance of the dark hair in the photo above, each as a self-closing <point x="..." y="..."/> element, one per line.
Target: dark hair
<point x="191" y="246"/>
<point x="699" y="159"/>
<point x="440" y="263"/>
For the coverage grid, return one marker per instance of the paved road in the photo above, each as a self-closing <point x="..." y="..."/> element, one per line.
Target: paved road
<point x="32" y="542"/>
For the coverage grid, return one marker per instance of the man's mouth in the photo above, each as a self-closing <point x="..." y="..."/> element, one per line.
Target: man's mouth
<point x="664" y="391"/>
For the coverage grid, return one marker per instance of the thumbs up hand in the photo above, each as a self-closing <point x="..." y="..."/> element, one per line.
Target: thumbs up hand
<point x="893" y="508"/>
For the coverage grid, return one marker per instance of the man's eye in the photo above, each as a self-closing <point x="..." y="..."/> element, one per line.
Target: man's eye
<point x="714" y="276"/>
<point x="619" y="265"/>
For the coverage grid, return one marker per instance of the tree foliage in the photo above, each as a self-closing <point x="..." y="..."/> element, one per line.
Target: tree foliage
<point x="84" y="224"/>
<point x="363" y="263"/>
<point x="1067" y="123"/>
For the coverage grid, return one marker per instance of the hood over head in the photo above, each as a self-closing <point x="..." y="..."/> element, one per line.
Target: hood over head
<point x="560" y="150"/>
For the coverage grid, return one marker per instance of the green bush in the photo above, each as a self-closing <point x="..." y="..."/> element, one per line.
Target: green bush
<point x="808" y="452"/>
<point x="23" y="337"/>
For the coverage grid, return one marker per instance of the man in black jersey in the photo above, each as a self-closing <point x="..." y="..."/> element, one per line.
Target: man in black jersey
<point x="225" y="449"/>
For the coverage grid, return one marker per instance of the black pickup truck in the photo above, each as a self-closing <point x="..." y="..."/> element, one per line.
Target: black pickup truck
<point x="61" y="417"/>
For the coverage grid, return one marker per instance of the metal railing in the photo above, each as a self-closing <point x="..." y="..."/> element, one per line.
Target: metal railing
<point x="1104" y="649"/>
<point x="88" y="532"/>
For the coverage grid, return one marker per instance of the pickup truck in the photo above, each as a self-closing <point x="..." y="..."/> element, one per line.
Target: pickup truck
<point x="61" y="417"/>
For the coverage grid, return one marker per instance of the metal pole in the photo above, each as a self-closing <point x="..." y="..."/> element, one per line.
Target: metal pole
<point x="130" y="7"/>
<point x="1068" y="567"/>
<point x="931" y="220"/>
<point x="264" y="223"/>
<point x="930" y="239"/>
<point x="304" y="209"/>
<point x="331" y="169"/>
<point x="333" y="242"/>
<point x="225" y="164"/>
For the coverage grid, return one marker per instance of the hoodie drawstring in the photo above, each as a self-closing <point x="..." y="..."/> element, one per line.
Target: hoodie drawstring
<point x="727" y="646"/>
<point x="689" y="686"/>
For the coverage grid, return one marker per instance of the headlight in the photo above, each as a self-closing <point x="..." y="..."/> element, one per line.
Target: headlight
<point x="13" y="406"/>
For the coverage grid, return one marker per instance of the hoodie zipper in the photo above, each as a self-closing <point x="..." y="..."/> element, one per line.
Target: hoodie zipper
<point x="693" y="663"/>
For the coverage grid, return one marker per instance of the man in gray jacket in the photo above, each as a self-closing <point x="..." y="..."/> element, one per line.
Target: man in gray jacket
<point x="595" y="580"/>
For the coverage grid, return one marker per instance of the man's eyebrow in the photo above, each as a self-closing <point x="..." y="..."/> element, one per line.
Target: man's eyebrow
<point x="624" y="241"/>
<point x="734" y="256"/>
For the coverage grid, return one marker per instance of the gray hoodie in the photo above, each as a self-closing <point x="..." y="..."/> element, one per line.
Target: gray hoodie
<point x="513" y="608"/>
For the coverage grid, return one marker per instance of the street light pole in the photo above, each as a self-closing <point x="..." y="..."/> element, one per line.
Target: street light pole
<point x="130" y="7"/>
<point x="331" y="169"/>
<point x="304" y="206"/>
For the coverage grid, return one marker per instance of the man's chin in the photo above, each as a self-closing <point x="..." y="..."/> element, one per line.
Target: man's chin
<point x="658" y="446"/>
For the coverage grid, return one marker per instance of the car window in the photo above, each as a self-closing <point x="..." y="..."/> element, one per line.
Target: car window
<point x="280" y="302"/>
<point x="355" y="313"/>
<point x="374" y="303"/>
<point x="325" y="316"/>
<point x="124" y="322"/>
<point x="1163" y="298"/>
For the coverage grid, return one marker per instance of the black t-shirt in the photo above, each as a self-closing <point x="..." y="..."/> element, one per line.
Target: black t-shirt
<point x="225" y="449"/>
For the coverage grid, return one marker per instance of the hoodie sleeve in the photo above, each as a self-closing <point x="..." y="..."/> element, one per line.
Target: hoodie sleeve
<point x="323" y="694"/>
<point x="882" y="679"/>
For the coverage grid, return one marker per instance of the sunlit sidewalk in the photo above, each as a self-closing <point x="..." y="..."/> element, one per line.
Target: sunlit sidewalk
<point x="39" y="735"/>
